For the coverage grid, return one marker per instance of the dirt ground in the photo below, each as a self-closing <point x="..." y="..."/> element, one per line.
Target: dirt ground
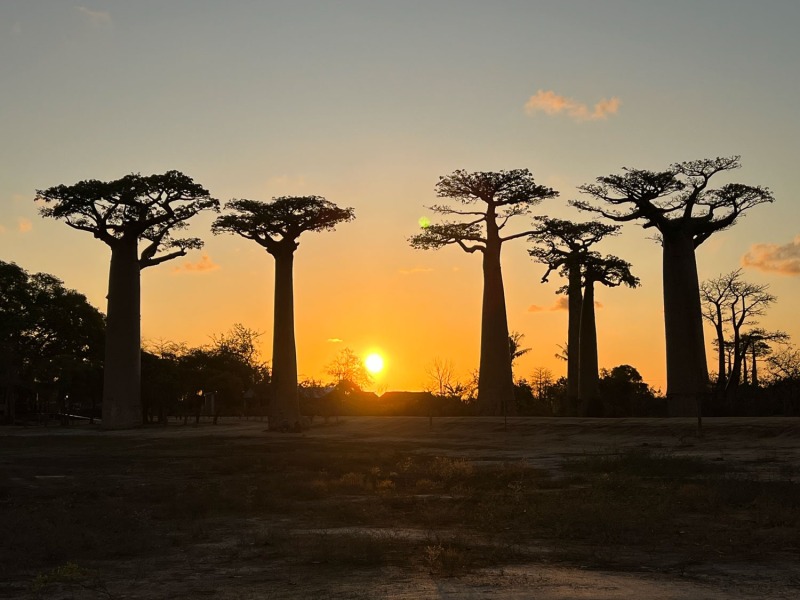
<point x="63" y="489"/>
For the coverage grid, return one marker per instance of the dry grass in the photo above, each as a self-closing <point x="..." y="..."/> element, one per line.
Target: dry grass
<point x="66" y="502"/>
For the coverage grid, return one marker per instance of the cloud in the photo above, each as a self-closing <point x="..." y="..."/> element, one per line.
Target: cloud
<point x="97" y="18"/>
<point x="561" y="303"/>
<point x="24" y="225"/>
<point x="204" y="264"/>
<point x="415" y="270"/>
<point x="553" y="104"/>
<point x="774" y="258"/>
<point x="335" y="340"/>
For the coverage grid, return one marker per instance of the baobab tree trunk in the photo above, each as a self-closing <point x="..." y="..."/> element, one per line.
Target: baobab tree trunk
<point x="721" y="375"/>
<point x="122" y="402"/>
<point x="495" y="381"/>
<point x="284" y="407"/>
<point x="574" y="308"/>
<point x="589" y="382"/>
<point x="687" y="370"/>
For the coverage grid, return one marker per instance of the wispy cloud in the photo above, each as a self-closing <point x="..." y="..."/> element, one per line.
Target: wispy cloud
<point x="24" y="225"/>
<point x="554" y="104"/>
<point x="335" y="340"/>
<point x="783" y="259"/>
<point x="204" y="264"/>
<point x="561" y="303"/>
<point x="415" y="270"/>
<point x="96" y="18"/>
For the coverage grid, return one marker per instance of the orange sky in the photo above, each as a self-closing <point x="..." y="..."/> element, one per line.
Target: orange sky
<point x="378" y="102"/>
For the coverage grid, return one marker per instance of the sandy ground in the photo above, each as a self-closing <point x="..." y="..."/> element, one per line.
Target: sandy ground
<point x="758" y="445"/>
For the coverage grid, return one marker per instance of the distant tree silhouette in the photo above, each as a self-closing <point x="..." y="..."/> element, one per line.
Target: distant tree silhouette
<point x="730" y="303"/>
<point x="610" y="271"/>
<point x="490" y="200"/>
<point x="715" y="296"/>
<point x="563" y="246"/>
<point x="680" y="206"/>
<point x="515" y="346"/>
<point x="51" y="342"/>
<point x="276" y="226"/>
<point x="123" y="213"/>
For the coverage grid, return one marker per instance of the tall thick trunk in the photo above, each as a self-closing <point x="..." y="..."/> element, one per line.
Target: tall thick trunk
<point x="687" y="370"/>
<point x="589" y="386"/>
<point x="495" y="381"/>
<point x="284" y="408"/>
<point x="122" y="402"/>
<point x="753" y="367"/>
<point x="573" y="339"/>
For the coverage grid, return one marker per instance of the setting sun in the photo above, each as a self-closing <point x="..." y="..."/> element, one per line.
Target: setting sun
<point x="374" y="363"/>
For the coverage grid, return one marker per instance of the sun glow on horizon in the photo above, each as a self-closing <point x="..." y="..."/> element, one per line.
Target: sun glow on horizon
<point x="374" y="363"/>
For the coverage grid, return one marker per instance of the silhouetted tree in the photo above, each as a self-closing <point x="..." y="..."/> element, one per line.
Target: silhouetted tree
<point x="715" y="296"/>
<point x="276" y="226"/>
<point x="679" y="204"/>
<point x="515" y="346"/>
<point x="349" y="371"/>
<point x="51" y="341"/>
<point x="757" y="343"/>
<point x="123" y="213"/>
<point x="490" y="201"/>
<point x="563" y="246"/>
<point x="610" y="271"/>
<point x="626" y="394"/>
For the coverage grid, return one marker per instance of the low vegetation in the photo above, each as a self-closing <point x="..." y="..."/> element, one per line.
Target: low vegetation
<point x="68" y="502"/>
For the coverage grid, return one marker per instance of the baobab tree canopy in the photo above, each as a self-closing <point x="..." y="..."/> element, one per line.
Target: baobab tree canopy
<point x="506" y="194"/>
<point x="276" y="226"/>
<point x="142" y="208"/>
<point x="686" y="212"/>
<point x="122" y="213"/>
<point x="490" y="200"/>
<point x="280" y="222"/>
<point x="676" y="201"/>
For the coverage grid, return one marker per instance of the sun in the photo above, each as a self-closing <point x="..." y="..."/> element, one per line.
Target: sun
<point x="374" y="363"/>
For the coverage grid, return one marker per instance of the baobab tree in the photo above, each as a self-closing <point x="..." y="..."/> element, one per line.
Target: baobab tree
<point x="490" y="200"/>
<point x="276" y="226"/>
<point x="123" y="213"/>
<point x="610" y="271"/>
<point x="563" y="246"/>
<point x="679" y="204"/>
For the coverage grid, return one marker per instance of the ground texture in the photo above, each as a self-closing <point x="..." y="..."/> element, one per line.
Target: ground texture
<point x="404" y="508"/>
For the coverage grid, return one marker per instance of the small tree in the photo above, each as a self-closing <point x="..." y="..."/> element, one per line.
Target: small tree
<point x="680" y="206"/>
<point x="122" y="214"/>
<point x="276" y="226"/>
<point x="349" y="371"/>
<point x="490" y="200"/>
<point x="563" y="246"/>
